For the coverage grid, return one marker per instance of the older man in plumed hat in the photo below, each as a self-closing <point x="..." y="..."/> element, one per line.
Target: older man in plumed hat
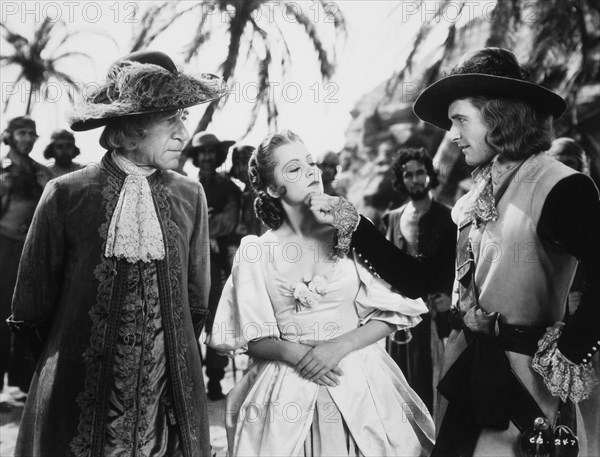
<point x="113" y="284"/>
<point x="511" y="363"/>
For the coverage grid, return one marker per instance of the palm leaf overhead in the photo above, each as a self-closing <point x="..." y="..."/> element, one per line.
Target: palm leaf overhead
<point x="243" y="32"/>
<point x="39" y="63"/>
<point x="558" y="40"/>
<point x="565" y="55"/>
<point x="504" y="18"/>
<point x="263" y="84"/>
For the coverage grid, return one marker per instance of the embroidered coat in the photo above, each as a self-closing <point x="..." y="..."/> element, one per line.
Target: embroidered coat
<point x="119" y="371"/>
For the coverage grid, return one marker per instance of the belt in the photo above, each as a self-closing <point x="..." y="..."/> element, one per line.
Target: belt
<point x="522" y="339"/>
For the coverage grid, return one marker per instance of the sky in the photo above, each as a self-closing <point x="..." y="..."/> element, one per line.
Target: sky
<point x="379" y="35"/>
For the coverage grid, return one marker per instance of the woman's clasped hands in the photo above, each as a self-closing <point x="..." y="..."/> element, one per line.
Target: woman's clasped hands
<point x="320" y="360"/>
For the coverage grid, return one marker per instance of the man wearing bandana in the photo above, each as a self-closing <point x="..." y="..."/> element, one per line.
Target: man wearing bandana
<point x="510" y="358"/>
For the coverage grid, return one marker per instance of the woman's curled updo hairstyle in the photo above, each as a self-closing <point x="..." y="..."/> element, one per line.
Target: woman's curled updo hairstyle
<point x="261" y="174"/>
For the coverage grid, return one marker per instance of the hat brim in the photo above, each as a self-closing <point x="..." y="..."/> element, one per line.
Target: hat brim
<point x="194" y="151"/>
<point x="90" y="124"/>
<point x="144" y="88"/>
<point x="433" y="103"/>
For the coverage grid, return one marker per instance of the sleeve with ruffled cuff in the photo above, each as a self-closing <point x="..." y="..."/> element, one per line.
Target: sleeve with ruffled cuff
<point x="345" y="221"/>
<point x="570" y="221"/>
<point x="562" y="377"/>
<point x="244" y="312"/>
<point x="376" y="300"/>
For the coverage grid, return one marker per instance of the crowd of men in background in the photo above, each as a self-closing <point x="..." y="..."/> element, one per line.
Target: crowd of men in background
<point x="414" y="222"/>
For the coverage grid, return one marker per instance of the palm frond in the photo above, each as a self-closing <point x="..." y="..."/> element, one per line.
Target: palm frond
<point x="440" y="11"/>
<point x="13" y="37"/>
<point x="71" y="54"/>
<point x="420" y="37"/>
<point x="263" y="97"/>
<point x="326" y="66"/>
<point x="200" y="37"/>
<point x="148" y="30"/>
<point x="501" y="23"/>
<point x="332" y="11"/>
<point x="239" y="15"/>
<point x="286" y="56"/>
<point x="42" y="35"/>
<point x="8" y="60"/>
<point x="400" y="75"/>
<point x="30" y="57"/>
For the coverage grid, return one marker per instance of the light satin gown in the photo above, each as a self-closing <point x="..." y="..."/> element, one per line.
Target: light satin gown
<point x="272" y="410"/>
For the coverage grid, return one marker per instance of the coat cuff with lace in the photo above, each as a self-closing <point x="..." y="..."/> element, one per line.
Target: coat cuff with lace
<point x="562" y="377"/>
<point x="345" y="221"/>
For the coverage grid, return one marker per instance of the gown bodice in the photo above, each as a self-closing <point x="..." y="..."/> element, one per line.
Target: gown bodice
<point x="332" y="315"/>
<point x="271" y="411"/>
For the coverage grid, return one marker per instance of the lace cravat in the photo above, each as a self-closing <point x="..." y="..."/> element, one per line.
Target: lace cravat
<point x="134" y="232"/>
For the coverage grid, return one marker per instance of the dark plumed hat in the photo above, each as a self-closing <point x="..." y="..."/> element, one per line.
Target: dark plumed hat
<point x="492" y="72"/>
<point x="144" y="82"/>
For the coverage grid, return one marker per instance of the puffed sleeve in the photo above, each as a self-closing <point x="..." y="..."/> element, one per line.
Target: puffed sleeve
<point x="377" y="300"/>
<point x="245" y="312"/>
<point x="199" y="265"/>
<point x="40" y="272"/>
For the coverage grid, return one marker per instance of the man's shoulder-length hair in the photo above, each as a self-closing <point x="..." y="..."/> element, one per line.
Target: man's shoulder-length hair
<point x="516" y="130"/>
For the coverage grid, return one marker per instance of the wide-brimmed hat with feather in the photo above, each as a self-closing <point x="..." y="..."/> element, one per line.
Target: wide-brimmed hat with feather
<point x="144" y="82"/>
<point x="492" y="72"/>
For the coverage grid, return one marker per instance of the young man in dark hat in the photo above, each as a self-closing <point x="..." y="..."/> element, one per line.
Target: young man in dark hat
<point x="63" y="150"/>
<point x="223" y="199"/>
<point x="22" y="181"/>
<point x="113" y="284"/>
<point x="521" y="230"/>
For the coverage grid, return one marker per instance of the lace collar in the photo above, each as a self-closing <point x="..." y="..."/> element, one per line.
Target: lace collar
<point x="134" y="232"/>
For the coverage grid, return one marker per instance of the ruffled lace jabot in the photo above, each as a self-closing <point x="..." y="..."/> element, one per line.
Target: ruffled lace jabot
<point x="478" y="205"/>
<point x="134" y="232"/>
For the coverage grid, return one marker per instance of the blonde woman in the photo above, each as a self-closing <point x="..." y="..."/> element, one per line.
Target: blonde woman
<point x="311" y="315"/>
